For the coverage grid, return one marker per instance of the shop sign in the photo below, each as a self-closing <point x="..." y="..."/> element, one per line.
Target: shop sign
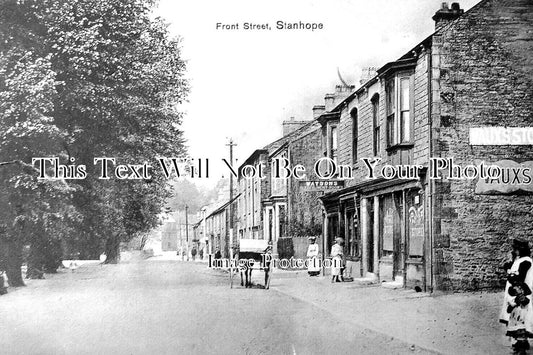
<point x="321" y="185"/>
<point x="501" y="136"/>
<point x="512" y="177"/>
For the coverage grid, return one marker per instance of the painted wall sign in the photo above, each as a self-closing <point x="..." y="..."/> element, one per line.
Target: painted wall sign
<point x="321" y="185"/>
<point x="501" y="136"/>
<point x="416" y="230"/>
<point x="513" y="177"/>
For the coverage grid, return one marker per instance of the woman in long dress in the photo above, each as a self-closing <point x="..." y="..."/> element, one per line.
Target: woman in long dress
<point x="313" y="267"/>
<point x="517" y="310"/>
<point x="337" y="253"/>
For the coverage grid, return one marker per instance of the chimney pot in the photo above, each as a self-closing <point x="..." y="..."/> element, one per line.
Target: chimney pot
<point x="444" y="15"/>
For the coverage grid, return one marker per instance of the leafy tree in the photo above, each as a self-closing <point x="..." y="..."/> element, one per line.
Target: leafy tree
<point x="27" y="129"/>
<point x="186" y="193"/>
<point x="82" y="79"/>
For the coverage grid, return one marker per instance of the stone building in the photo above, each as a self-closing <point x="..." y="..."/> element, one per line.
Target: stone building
<point x="422" y="227"/>
<point x="169" y="233"/>
<point x="273" y="208"/>
<point x="292" y="209"/>
<point x="217" y="227"/>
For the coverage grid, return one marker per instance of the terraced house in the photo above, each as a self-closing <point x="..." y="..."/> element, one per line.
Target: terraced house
<point x="277" y="208"/>
<point x="473" y="74"/>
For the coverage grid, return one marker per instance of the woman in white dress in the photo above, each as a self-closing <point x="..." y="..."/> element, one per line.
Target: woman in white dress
<point x="313" y="267"/>
<point x="337" y="253"/>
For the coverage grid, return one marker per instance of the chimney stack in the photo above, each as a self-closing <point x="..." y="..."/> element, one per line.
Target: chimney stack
<point x="445" y="15"/>
<point x="341" y="92"/>
<point x="367" y="73"/>
<point x="292" y="125"/>
<point x="318" y="110"/>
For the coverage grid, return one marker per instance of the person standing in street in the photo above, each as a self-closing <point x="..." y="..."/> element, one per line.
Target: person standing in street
<point x="3" y="283"/>
<point x="313" y="268"/>
<point x="517" y="310"/>
<point x="337" y="253"/>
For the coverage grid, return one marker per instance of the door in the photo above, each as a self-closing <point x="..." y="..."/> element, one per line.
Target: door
<point x="370" y="236"/>
<point x="333" y="231"/>
<point x="398" y="254"/>
<point x="391" y="256"/>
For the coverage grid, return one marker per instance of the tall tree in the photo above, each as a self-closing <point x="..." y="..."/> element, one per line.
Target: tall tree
<point x="84" y="79"/>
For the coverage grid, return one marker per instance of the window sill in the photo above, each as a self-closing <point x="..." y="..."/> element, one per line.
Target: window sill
<point x="400" y="146"/>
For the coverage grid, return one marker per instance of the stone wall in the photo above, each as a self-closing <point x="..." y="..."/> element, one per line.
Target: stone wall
<point x="481" y="77"/>
<point x="304" y="208"/>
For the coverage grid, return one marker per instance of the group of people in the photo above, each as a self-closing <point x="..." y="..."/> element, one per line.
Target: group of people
<point x="337" y="255"/>
<point x="517" y="310"/>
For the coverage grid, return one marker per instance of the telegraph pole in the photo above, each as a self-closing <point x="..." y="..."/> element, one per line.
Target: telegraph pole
<point x="187" y="230"/>
<point x="231" y="145"/>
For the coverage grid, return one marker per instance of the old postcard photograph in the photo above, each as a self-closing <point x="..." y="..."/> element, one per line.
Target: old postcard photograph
<point x="266" y="177"/>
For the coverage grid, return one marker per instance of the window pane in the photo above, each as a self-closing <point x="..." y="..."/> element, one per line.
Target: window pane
<point x="404" y="94"/>
<point x="376" y="141"/>
<point x="406" y="126"/>
<point x="390" y="97"/>
<point x="375" y="118"/>
<point x="391" y="139"/>
<point x="334" y="138"/>
<point x="354" y="136"/>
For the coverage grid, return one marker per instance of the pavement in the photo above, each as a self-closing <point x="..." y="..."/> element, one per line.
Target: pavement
<point x="460" y="323"/>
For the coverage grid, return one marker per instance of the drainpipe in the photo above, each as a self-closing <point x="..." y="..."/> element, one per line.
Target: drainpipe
<point x="324" y="237"/>
<point x="405" y="241"/>
<point x="431" y="186"/>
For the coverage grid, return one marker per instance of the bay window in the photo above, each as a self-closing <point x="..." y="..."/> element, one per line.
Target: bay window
<point x="398" y="90"/>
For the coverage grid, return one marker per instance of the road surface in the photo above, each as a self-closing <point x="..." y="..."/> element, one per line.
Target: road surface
<point x="172" y="307"/>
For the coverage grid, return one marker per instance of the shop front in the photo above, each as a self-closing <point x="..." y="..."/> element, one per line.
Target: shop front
<point x="383" y="224"/>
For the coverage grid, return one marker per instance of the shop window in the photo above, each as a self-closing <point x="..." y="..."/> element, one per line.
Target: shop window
<point x="352" y="236"/>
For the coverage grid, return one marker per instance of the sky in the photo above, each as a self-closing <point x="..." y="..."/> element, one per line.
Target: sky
<point x="245" y="83"/>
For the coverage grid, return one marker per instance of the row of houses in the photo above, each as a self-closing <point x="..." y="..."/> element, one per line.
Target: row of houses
<point x="434" y="229"/>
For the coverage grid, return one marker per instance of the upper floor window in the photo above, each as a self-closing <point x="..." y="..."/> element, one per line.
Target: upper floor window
<point x="333" y="140"/>
<point x="376" y="134"/>
<point x="405" y="108"/>
<point x="391" y="112"/>
<point x="353" y="113"/>
<point x="398" y="107"/>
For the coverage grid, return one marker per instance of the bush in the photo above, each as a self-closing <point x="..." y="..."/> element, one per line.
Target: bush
<point x="285" y="248"/>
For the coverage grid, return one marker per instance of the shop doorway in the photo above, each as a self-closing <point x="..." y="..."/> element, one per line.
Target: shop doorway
<point x="333" y="231"/>
<point x="391" y="262"/>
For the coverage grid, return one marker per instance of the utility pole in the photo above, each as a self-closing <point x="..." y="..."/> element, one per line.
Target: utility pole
<point x="209" y="245"/>
<point x="231" y="145"/>
<point x="187" y="229"/>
